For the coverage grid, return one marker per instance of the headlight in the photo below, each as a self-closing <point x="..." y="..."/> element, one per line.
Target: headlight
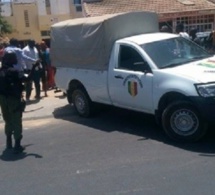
<point x="206" y="90"/>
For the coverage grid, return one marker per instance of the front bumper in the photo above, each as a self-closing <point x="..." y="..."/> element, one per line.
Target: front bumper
<point x="206" y="107"/>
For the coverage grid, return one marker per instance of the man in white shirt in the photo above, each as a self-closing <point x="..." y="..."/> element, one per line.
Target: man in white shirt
<point x="31" y="51"/>
<point x="19" y="54"/>
<point x="180" y="31"/>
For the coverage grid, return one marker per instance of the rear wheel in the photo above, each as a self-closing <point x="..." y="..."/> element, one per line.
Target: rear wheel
<point x="69" y="96"/>
<point x="182" y="122"/>
<point x="82" y="103"/>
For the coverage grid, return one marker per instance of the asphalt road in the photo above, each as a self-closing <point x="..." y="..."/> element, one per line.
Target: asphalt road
<point x="117" y="152"/>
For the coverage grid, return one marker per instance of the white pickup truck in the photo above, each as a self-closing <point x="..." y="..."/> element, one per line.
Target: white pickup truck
<point x="122" y="60"/>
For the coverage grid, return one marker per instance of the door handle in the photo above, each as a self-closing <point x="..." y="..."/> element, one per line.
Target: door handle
<point x="118" y="77"/>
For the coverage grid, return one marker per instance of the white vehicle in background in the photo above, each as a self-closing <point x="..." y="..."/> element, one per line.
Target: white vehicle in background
<point x="115" y="61"/>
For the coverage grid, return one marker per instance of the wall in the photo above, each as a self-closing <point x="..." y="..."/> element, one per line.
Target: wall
<point x="24" y="1"/>
<point x="6" y="10"/>
<point x="59" y="7"/>
<point x="40" y="20"/>
<point x="17" y="20"/>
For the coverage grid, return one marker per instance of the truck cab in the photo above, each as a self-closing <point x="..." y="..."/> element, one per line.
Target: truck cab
<point x="152" y="72"/>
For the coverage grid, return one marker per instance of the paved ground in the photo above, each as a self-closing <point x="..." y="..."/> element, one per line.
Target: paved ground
<point x="116" y="153"/>
<point x="55" y="103"/>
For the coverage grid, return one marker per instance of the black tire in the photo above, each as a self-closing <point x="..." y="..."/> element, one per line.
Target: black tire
<point x="69" y="97"/>
<point x="182" y="122"/>
<point x="82" y="103"/>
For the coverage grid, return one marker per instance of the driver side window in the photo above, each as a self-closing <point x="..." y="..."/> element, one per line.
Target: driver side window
<point x="130" y="59"/>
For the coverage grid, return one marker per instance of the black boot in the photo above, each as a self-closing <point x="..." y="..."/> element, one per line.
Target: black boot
<point x="18" y="148"/>
<point x="9" y="142"/>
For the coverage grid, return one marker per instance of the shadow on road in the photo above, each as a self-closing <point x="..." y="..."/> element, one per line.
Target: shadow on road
<point x="121" y="120"/>
<point x="59" y="94"/>
<point x="8" y="155"/>
<point x="32" y="102"/>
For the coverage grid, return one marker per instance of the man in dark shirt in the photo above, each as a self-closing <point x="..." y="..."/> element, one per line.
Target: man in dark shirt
<point x="11" y="102"/>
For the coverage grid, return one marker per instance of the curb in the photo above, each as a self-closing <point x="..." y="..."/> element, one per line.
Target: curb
<point x="54" y="105"/>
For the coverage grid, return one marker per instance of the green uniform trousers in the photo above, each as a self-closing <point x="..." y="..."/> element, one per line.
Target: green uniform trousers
<point x="12" y="115"/>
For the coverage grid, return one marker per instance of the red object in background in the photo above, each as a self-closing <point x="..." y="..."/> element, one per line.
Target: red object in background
<point x="51" y="76"/>
<point x="1" y="52"/>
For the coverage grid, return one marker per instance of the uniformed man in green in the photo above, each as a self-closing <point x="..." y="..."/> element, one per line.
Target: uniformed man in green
<point x="12" y="105"/>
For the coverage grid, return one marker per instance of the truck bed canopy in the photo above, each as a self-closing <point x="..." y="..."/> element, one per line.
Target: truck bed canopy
<point x="86" y="43"/>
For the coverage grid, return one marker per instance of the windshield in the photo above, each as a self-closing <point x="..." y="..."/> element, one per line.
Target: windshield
<point x="174" y="52"/>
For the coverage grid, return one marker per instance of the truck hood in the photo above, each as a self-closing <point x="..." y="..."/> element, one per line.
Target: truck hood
<point x="202" y="71"/>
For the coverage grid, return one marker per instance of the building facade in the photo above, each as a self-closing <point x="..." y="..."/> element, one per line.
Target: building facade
<point x="31" y="19"/>
<point x="198" y="14"/>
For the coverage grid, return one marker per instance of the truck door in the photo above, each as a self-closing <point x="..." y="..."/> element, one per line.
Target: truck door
<point x="131" y="80"/>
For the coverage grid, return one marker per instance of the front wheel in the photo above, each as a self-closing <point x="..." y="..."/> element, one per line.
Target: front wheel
<point x="182" y="122"/>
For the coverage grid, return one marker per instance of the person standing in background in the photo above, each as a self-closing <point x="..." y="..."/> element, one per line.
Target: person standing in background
<point x="166" y="29"/>
<point x="45" y="61"/>
<point x="180" y="30"/>
<point x="51" y="70"/>
<point x="31" y="51"/>
<point x="2" y="48"/>
<point x="21" y="57"/>
<point x="193" y="36"/>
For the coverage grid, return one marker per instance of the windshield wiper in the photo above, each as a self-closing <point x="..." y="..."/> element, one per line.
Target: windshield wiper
<point x="187" y="61"/>
<point x="199" y="58"/>
<point x="171" y="65"/>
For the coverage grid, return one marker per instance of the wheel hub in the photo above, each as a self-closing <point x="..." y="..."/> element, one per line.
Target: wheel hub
<point x="80" y="104"/>
<point x="184" y="122"/>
